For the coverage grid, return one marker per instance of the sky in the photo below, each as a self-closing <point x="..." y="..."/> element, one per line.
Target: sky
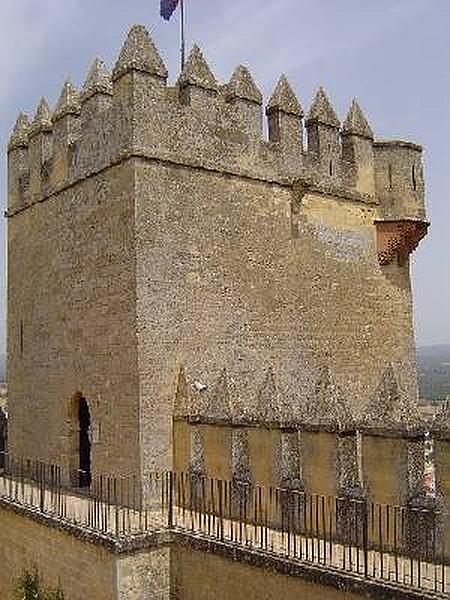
<point x="393" y="55"/>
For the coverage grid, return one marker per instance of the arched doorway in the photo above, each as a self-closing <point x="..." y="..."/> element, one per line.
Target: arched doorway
<point x="84" y="444"/>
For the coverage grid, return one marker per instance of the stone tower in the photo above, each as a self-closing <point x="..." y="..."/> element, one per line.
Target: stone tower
<point x="153" y="229"/>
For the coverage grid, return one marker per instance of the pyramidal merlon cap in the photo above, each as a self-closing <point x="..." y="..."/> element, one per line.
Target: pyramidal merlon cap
<point x="322" y="111"/>
<point x="43" y="118"/>
<point x="196" y="72"/>
<point x="19" y="135"/>
<point x="98" y="80"/>
<point x="221" y="405"/>
<point x="268" y="405"/>
<point x="284" y="99"/>
<point x="390" y="407"/>
<point x="356" y="122"/>
<point x="242" y="85"/>
<point x="68" y="103"/>
<point x="139" y="53"/>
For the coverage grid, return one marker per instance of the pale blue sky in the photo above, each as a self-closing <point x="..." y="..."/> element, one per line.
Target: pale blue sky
<point x="394" y="55"/>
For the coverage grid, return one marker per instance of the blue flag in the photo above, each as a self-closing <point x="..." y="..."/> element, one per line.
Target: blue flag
<point x="167" y="8"/>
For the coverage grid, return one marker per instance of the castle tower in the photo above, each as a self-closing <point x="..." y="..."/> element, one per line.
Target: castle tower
<point x="152" y="230"/>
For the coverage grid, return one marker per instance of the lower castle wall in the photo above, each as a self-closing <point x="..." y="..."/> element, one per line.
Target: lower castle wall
<point x="58" y="556"/>
<point x="200" y="575"/>
<point x="186" y="569"/>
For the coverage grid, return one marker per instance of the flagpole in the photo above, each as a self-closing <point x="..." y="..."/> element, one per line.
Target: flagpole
<point x="183" y="41"/>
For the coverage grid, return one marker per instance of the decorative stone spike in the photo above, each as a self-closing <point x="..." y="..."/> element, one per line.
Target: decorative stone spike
<point x="19" y="136"/>
<point x="322" y="111"/>
<point x="389" y="409"/>
<point x="98" y="81"/>
<point x="441" y="422"/>
<point x="139" y="53"/>
<point x="329" y="409"/>
<point x="220" y="406"/>
<point x="356" y="123"/>
<point x="68" y="103"/>
<point x="268" y="403"/>
<point x="284" y="99"/>
<point x="181" y="406"/>
<point x="242" y="86"/>
<point x="42" y="120"/>
<point x="197" y="73"/>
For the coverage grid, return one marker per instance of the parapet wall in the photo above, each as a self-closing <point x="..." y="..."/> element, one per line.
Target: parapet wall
<point x="323" y="446"/>
<point x="200" y="122"/>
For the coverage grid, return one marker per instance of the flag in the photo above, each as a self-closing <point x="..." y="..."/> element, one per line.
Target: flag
<point x="167" y="8"/>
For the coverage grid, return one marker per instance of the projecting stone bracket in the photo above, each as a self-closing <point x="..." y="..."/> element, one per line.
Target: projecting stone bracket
<point x="397" y="239"/>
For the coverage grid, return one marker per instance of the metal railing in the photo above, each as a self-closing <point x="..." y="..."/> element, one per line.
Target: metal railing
<point x="405" y="545"/>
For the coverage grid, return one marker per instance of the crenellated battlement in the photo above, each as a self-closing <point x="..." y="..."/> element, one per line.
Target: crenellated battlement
<point x="200" y="123"/>
<point x="225" y="400"/>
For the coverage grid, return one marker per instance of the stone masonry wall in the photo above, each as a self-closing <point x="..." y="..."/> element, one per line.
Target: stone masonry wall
<point x="84" y="570"/>
<point x="243" y="274"/>
<point x="71" y="323"/>
<point x="201" y="576"/>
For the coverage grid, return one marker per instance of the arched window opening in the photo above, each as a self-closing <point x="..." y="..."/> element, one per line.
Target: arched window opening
<point x="413" y="177"/>
<point x="331" y="168"/>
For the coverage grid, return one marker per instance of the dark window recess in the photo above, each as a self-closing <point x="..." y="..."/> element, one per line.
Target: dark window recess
<point x="21" y="338"/>
<point x="331" y="167"/>
<point x="84" y="422"/>
<point x="413" y="177"/>
<point x="390" y="176"/>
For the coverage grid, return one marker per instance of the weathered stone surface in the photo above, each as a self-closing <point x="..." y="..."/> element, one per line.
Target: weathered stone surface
<point x="242" y="86"/>
<point x="19" y="136"/>
<point x="356" y="122"/>
<point x="268" y="409"/>
<point x="68" y="103"/>
<point x="284" y="99"/>
<point x="42" y="120"/>
<point x="390" y="408"/>
<point x="139" y="53"/>
<point x="98" y="81"/>
<point x="328" y="409"/>
<point x="197" y="73"/>
<point x="322" y="111"/>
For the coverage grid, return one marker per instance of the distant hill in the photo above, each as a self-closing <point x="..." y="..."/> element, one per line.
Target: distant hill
<point x="434" y="371"/>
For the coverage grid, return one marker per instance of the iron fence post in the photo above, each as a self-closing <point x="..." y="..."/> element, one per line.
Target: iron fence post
<point x="170" y="500"/>
<point x="365" y="538"/>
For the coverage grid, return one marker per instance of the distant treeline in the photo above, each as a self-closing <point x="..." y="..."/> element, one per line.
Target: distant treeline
<point x="434" y="372"/>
